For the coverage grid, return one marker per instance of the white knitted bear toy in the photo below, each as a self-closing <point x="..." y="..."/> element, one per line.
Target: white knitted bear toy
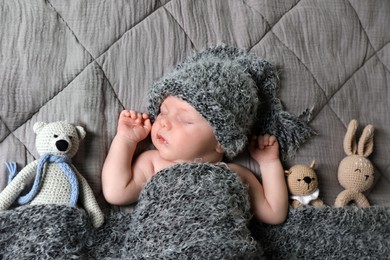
<point x="56" y="180"/>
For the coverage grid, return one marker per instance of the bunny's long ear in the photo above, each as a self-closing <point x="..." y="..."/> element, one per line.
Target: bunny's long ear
<point x="350" y="146"/>
<point x="366" y="141"/>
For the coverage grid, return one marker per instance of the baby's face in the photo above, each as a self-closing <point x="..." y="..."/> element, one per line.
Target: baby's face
<point x="181" y="134"/>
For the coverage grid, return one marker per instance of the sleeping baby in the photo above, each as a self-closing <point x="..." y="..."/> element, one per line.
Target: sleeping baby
<point x="191" y="200"/>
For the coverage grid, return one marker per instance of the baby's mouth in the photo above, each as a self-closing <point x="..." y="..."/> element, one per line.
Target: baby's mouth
<point x="161" y="139"/>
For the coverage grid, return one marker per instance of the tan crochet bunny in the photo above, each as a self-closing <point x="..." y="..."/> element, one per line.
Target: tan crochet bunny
<point x="302" y="184"/>
<point x="356" y="172"/>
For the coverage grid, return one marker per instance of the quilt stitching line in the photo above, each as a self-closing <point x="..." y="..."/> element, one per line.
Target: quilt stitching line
<point x="181" y="27"/>
<point x="376" y="179"/>
<point x="119" y="39"/>
<point x="66" y="85"/>
<point x="268" y="23"/>
<point x="81" y="71"/>
<point x="365" y="32"/>
<point x="43" y="105"/>
<point x="110" y="46"/>
<point x="9" y="130"/>
<point x="67" y="26"/>
<point x="375" y="52"/>
<point x="341" y="85"/>
<point x="87" y="65"/>
<point x="294" y="54"/>
<point x="384" y="46"/>
<point x="384" y="176"/>
<point x="109" y="84"/>
<point x="106" y="50"/>
<point x="363" y="64"/>
<point x="130" y="29"/>
<point x="356" y="71"/>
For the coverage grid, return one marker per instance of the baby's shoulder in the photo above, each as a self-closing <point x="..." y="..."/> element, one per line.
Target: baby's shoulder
<point x="245" y="174"/>
<point x="153" y="159"/>
<point x="237" y="168"/>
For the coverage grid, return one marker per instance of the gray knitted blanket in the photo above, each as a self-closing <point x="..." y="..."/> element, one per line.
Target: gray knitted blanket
<point x="187" y="215"/>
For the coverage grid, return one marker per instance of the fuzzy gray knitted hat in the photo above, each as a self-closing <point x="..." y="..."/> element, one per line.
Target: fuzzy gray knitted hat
<point x="234" y="91"/>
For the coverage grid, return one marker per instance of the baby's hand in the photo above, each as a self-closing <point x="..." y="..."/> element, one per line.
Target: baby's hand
<point x="264" y="148"/>
<point x="133" y="125"/>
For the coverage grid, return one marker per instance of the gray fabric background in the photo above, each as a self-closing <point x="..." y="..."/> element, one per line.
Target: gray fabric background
<point x="84" y="61"/>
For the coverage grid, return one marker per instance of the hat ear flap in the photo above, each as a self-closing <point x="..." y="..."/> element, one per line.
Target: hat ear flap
<point x="291" y="130"/>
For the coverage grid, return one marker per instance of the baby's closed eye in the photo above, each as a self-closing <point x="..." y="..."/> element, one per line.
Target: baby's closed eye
<point x="186" y="119"/>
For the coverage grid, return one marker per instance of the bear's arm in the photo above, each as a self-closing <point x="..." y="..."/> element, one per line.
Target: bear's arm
<point x="88" y="200"/>
<point x="12" y="191"/>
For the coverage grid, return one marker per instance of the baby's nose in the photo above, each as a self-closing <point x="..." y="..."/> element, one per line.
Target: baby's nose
<point x="164" y="122"/>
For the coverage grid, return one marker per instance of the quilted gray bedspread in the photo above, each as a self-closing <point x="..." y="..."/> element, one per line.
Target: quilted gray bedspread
<point x="85" y="60"/>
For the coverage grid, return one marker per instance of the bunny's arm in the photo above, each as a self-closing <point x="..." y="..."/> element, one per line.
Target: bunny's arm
<point x="16" y="186"/>
<point x="87" y="199"/>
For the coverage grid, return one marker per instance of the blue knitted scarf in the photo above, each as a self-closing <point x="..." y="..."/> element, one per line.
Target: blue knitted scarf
<point x="64" y="163"/>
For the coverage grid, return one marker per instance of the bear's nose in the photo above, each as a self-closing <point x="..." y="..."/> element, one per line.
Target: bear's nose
<point x="62" y="145"/>
<point x="307" y="179"/>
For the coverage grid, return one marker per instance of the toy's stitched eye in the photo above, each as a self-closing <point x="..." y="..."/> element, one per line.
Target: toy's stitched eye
<point x="55" y="136"/>
<point x="299" y="179"/>
<point x="70" y="137"/>
<point x="358" y="171"/>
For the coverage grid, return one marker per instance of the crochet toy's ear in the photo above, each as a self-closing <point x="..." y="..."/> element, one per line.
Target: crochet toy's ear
<point x="366" y="141"/>
<point x="81" y="132"/>
<point x="313" y="165"/>
<point x="287" y="173"/>
<point x="38" y="126"/>
<point x="350" y="146"/>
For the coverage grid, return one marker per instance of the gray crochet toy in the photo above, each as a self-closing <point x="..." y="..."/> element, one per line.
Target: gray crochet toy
<point x="236" y="92"/>
<point x="56" y="180"/>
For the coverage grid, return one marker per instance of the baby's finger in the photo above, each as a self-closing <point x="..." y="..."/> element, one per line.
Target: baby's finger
<point x="255" y="141"/>
<point x="272" y="139"/>
<point x="138" y="117"/>
<point x="262" y="142"/>
<point x="145" y="116"/>
<point x="134" y="114"/>
<point x="147" y="124"/>
<point x="124" y="113"/>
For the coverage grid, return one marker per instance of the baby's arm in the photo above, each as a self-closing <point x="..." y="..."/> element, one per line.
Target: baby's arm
<point x="120" y="185"/>
<point x="269" y="201"/>
<point x="274" y="200"/>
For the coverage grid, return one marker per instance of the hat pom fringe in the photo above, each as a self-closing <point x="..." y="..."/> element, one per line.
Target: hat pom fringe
<point x="291" y="130"/>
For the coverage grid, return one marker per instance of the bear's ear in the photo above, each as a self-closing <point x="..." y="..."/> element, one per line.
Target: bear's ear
<point x="287" y="173"/>
<point x="81" y="132"/>
<point x="38" y="126"/>
<point x="313" y="165"/>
